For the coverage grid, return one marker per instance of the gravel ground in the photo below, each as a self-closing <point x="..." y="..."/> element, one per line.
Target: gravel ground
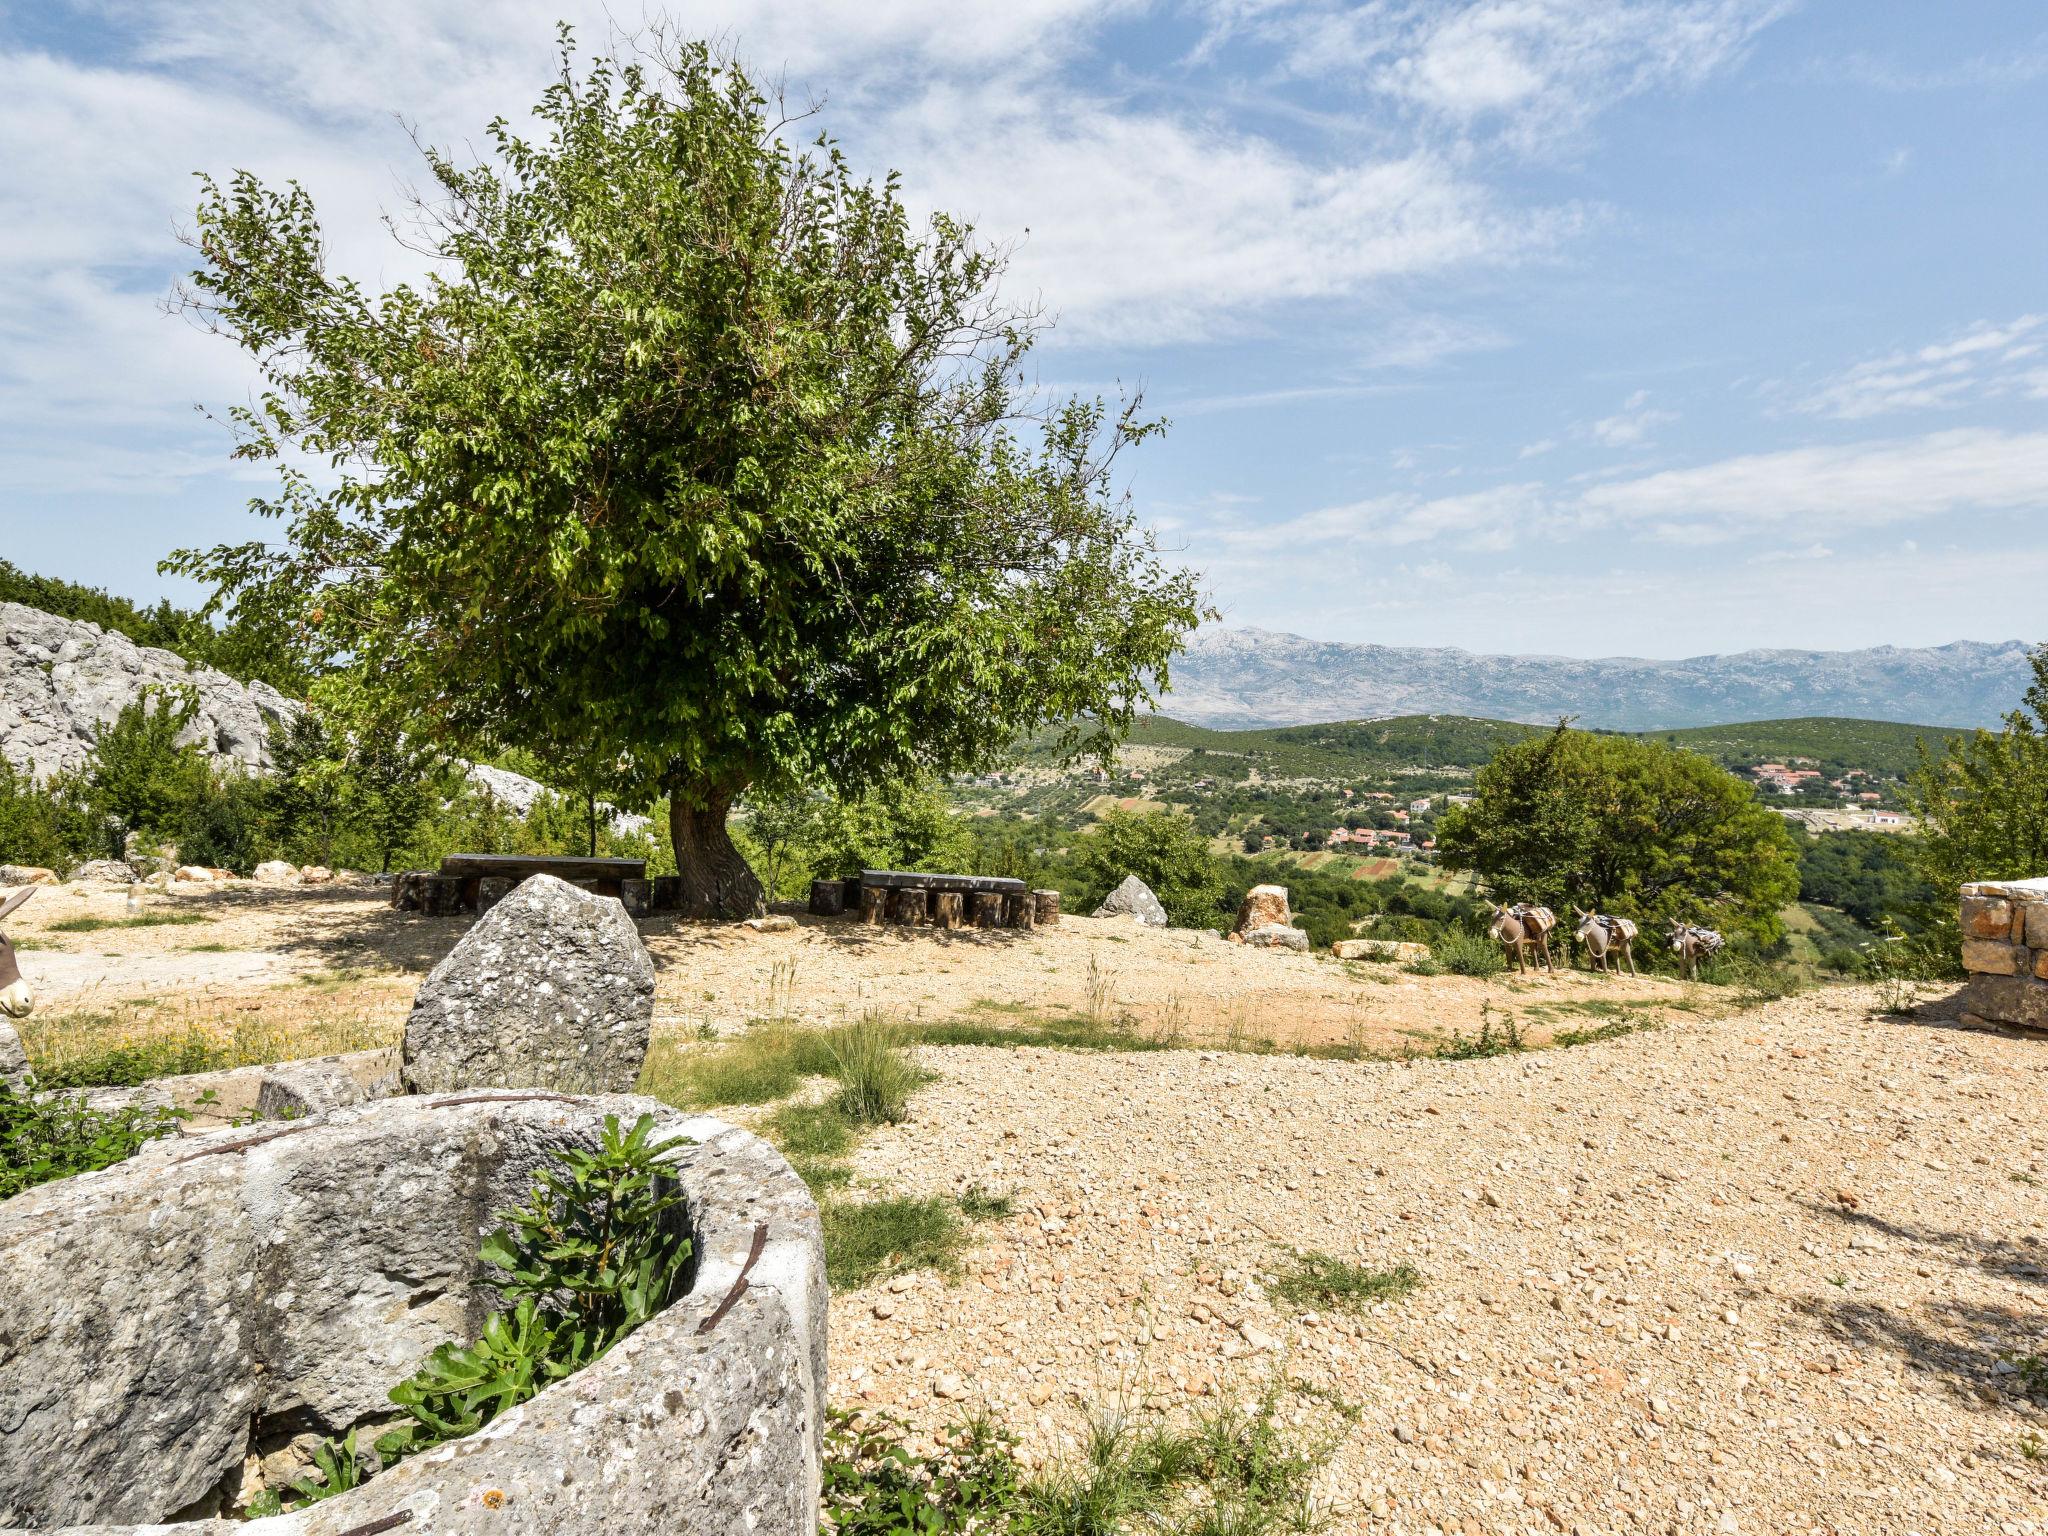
<point x="1753" y="1275"/>
<point x="1180" y="982"/>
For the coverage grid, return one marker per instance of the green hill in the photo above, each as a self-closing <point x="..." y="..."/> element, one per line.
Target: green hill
<point x="1878" y="747"/>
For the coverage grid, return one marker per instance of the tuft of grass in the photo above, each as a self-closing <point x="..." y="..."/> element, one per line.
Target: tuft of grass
<point x="1322" y="1280"/>
<point x="144" y="920"/>
<point x="2030" y="1374"/>
<point x="870" y="1240"/>
<point x="979" y="1204"/>
<point x="876" y="1074"/>
<point x="767" y="1063"/>
<point x="1072" y="1034"/>
<point x="814" y="1137"/>
<point x="1613" y="1029"/>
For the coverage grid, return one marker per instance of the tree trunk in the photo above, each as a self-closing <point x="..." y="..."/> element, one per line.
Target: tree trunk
<point x="715" y="879"/>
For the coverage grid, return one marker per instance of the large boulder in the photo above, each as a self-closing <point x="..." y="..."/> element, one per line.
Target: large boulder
<point x="1134" y="899"/>
<point x="1264" y="906"/>
<point x="13" y="1059"/>
<point x="277" y="872"/>
<point x="106" y="871"/>
<point x="175" y="1323"/>
<point x="27" y="874"/>
<point x="551" y="988"/>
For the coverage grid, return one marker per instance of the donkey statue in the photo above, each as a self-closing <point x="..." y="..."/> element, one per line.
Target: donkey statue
<point x="16" y="1001"/>
<point x="1521" y="926"/>
<point x="1692" y="944"/>
<point x="1603" y="935"/>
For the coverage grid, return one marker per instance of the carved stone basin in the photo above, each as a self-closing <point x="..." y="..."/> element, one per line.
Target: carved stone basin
<point x="168" y="1323"/>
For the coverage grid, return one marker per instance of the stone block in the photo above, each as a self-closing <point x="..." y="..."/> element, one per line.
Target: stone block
<point x="551" y="989"/>
<point x="492" y="889"/>
<point x="2041" y="963"/>
<point x="2008" y="1000"/>
<point x="13" y="1059"/>
<point x="1264" y="906"/>
<point x="2033" y="925"/>
<point x="1276" y="936"/>
<point x="1380" y="949"/>
<point x="1987" y="917"/>
<point x="1989" y="957"/>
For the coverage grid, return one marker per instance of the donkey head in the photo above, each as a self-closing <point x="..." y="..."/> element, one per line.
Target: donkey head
<point x="16" y="1000"/>
<point x="1590" y="927"/>
<point x="1507" y="927"/>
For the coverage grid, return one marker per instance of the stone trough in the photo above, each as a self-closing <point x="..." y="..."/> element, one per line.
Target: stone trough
<point x="172" y="1327"/>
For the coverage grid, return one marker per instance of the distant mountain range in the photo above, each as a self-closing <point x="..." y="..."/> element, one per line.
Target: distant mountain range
<point x="1248" y="678"/>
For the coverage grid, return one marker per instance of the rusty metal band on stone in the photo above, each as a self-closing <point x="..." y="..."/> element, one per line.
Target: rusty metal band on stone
<point x="739" y="1286"/>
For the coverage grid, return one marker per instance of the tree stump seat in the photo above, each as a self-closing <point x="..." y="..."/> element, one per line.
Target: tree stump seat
<point x="913" y="897"/>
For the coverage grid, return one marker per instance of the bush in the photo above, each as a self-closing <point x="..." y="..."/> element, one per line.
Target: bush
<point x="45" y="824"/>
<point x="52" y="1137"/>
<point x="1465" y="953"/>
<point x="1165" y="851"/>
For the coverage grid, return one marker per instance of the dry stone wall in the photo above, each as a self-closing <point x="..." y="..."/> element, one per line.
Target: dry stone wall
<point x="2005" y="950"/>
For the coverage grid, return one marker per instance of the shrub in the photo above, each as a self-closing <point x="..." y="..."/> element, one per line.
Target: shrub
<point x="1465" y="953"/>
<point x="595" y="1252"/>
<point x="52" y="1137"/>
<point x="1501" y="1039"/>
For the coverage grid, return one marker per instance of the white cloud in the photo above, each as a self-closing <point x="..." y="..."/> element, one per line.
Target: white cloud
<point x="1985" y="360"/>
<point x="1535" y="71"/>
<point x="1819" y="489"/>
<point x="1632" y="425"/>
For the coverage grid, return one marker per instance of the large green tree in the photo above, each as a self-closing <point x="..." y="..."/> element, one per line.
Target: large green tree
<point x="1631" y="827"/>
<point x="693" y="465"/>
<point x="1983" y="809"/>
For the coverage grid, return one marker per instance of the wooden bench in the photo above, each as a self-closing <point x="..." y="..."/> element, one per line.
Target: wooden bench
<point x="913" y="897"/>
<point x="475" y="882"/>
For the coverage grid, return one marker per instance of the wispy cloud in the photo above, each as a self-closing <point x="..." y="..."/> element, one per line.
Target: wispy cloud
<point x="1982" y="361"/>
<point x="1632" y="425"/>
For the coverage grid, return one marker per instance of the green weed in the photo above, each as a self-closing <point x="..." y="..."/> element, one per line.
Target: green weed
<point x="1321" y="1280"/>
<point x="47" y="1137"/>
<point x="876" y="1075"/>
<point x="1502" y="1039"/>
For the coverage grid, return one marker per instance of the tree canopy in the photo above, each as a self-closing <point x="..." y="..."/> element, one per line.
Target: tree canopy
<point x="1983" y="809"/>
<point x="691" y="465"/>
<point x="1625" y="826"/>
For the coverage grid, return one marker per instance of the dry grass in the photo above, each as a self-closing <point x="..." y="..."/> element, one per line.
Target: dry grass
<point x="201" y="1032"/>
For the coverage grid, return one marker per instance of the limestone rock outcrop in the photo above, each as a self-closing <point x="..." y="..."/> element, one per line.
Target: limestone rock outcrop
<point x="13" y="1059"/>
<point x="1380" y="949"/>
<point x="1133" y="899"/>
<point x="62" y="679"/>
<point x="551" y="988"/>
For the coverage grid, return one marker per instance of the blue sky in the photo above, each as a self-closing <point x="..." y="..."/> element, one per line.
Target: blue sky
<point x="1593" y="327"/>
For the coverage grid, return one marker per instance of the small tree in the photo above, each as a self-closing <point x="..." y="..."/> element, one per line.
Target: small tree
<point x="392" y="788"/>
<point x="307" y="792"/>
<point x="1983" y="809"/>
<point x="1165" y="851"/>
<point x="693" y="467"/>
<point x="141" y="778"/>
<point x="1634" y="828"/>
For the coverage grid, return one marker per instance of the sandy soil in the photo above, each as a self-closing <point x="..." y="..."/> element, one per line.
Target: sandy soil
<point x="1186" y="984"/>
<point x="1753" y="1275"/>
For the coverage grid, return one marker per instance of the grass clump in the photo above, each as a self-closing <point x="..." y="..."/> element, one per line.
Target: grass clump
<point x="871" y="1239"/>
<point x="1321" y="1280"/>
<point x="814" y="1137"/>
<point x="48" y="1137"/>
<point x="876" y="1074"/>
<point x="143" y="920"/>
<point x="766" y="1063"/>
<point x="979" y="1204"/>
<point x="1063" y="1033"/>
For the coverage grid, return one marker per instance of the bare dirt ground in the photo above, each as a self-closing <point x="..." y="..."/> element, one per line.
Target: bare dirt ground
<point x="1748" y="1275"/>
<point x="1754" y="1271"/>
<point x="262" y="946"/>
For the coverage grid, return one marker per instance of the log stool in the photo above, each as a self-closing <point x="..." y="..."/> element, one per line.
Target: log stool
<point x="1020" y="910"/>
<point x="946" y="909"/>
<point x="988" y="909"/>
<point x="874" y="903"/>
<point x="908" y="907"/>
<point x="1047" y="904"/>
<point x="828" y="897"/>
<point x="491" y="890"/>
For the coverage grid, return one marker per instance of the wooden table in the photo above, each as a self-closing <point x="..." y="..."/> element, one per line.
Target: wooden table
<point x="475" y="882"/>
